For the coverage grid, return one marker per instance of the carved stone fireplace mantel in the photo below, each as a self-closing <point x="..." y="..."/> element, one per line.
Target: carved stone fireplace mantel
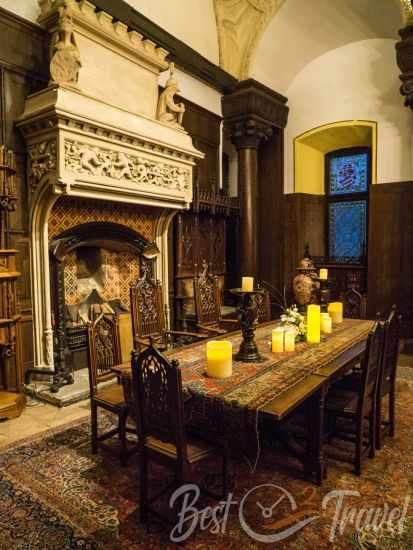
<point x="100" y="131"/>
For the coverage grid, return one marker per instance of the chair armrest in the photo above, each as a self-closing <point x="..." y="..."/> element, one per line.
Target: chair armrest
<point x="211" y="329"/>
<point x="229" y="320"/>
<point x="185" y="333"/>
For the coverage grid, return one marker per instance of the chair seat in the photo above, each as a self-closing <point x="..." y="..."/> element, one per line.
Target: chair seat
<point x="350" y="382"/>
<point x="340" y="400"/>
<point x="112" y="395"/>
<point x="196" y="449"/>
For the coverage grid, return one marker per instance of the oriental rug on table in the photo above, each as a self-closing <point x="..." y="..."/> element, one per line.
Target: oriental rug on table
<point x="227" y="409"/>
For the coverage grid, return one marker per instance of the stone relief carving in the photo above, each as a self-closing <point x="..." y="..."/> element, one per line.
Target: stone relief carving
<point x="407" y="8"/>
<point x="65" y="58"/>
<point x="42" y="159"/>
<point x="241" y="24"/>
<point x="82" y="158"/>
<point x="168" y="111"/>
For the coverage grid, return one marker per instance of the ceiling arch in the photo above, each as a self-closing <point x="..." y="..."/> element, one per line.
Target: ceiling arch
<point x="302" y="31"/>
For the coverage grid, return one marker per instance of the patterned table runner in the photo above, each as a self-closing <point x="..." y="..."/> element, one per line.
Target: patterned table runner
<point x="252" y="385"/>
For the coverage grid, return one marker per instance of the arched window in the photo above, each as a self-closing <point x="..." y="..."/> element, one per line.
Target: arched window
<point x="348" y="176"/>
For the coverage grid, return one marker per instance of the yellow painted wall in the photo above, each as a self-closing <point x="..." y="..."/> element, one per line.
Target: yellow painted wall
<point x="311" y="147"/>
<point x="309" y="172"/>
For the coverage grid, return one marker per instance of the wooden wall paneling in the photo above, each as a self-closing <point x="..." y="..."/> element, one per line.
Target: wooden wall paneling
<point x="304" y="223"/>
<point x="390" y="251"/>
<point x="271" y="209"/>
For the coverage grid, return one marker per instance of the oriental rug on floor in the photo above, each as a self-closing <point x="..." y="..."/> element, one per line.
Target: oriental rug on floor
<point x="55" y="495"/>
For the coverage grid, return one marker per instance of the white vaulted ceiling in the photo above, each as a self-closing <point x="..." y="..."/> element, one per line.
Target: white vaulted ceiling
<point x="302" y="31"/>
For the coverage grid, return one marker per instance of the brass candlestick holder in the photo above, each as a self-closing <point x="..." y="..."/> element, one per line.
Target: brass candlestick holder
<point x="248" y="319"/>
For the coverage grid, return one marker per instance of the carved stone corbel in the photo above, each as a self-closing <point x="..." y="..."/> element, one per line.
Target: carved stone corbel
<point x="404" y="56"/>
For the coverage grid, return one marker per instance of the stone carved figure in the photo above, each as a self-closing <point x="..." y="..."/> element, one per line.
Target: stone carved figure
<point x="81" y="158"/>
<point x="168" y="111"/>
<point x="120" y="167"/>
<point x="42" y="159"/>
<point x="65" y="58"/>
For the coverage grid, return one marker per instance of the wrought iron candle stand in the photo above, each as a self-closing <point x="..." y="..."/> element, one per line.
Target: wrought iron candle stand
<point x="324" y="292"/>
<point x="248" y="318"/>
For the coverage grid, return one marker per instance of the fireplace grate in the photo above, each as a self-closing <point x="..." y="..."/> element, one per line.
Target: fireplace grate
<point x="76" y="338"/>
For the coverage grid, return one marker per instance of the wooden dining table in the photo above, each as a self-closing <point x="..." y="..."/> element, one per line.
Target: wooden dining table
<point x="276" y="387"/>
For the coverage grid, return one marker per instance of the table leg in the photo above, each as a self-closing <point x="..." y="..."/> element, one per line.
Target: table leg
<point x="315" y="465"/>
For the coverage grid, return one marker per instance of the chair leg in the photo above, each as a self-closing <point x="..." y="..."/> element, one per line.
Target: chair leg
<point x="122" y="437"/>
<point x="225" y="459"/>
<point x="392" y="410"/>
<point x="94" y="426"/>
<point x="143" y="467"/>
<point x="359" y="443"/>
<point x="379" y="435"/>
<point x="372" y="433"/>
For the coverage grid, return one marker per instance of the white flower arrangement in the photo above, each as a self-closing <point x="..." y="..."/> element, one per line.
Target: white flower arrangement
<point x="292" y="317"/>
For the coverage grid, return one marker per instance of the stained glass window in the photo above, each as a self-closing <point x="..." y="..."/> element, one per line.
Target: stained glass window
<point x="347" y="230"/>
<point x="349" y="174"/>
<point x="347" y="184"/>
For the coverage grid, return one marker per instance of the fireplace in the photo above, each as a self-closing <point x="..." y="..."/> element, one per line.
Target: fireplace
<point x="101" y="150"/>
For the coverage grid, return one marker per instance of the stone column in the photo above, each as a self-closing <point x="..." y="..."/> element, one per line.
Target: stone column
<point x="250" y="113"/>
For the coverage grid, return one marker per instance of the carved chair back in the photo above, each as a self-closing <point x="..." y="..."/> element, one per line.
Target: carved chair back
<point x="371" y="367"/>
<point x="391" y="349"/>
<point x="354" y="304"/>
<point x="207" y="298"/>
<point x="157" y="385"/>
<point x="148" y="316"/>
<point x="103" y="349"/>
<point x="263" y="303"/>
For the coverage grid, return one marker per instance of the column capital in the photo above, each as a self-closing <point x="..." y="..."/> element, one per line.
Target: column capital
<point x="251" y="111"/>
<point x="247" y="132"/>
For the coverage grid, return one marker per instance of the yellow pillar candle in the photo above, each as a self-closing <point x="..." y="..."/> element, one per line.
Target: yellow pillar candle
<point x="323" y="274"/>
<point x="335" y="309"/>
<point x="326" y="323"/>
<point x="277" y="340"/>
<point x="248" y="284"/>
<point x="313" y="324"/>
<point x="219" y="358"/>
<point x="289" y="340"/>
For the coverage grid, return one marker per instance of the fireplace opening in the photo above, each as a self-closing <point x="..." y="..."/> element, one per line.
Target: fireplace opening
<point x="93" y="266"/>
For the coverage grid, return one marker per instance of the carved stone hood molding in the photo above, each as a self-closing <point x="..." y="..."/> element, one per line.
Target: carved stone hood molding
<point x="93" y="132"/>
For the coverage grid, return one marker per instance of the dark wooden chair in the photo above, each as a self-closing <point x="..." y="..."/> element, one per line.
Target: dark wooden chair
<point x="149" y="318"/>
<point x="104" y="353"/>
<point x="354" y="304"/>
<point x="263" y="302"/>
<point x="387" y="379"/>
<point x="357" y="404"/>
<point x="208" y="305"/>
<point x="162" y="434"/>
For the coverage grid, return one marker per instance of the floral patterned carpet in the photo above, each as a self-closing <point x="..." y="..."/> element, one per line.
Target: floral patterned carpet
<point x="55" y="495"/>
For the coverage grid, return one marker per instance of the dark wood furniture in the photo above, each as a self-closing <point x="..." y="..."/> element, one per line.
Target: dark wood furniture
<point x="354" y="304"/>
<point x="149" y="317"/>
<point x="104" y="354"/>
<point x="263" y="302"/>
<point x="356" y="402"/>
<point x="208" y="305"/>
<point x="157" y="385"/>
<point x="12" y="400"/>
<point x="387" y="380"/>
<point x="312" y="390"/>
